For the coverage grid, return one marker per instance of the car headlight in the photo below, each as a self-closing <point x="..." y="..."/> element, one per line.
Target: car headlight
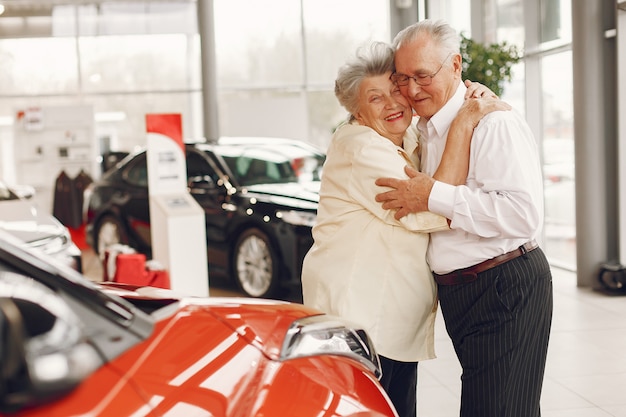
<point x="53" y="244"/>
<point x="297" y="218"/>
<point x="328" y="335"/>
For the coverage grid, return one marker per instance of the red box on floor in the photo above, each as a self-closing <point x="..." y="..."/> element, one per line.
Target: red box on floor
<point x="158" y="278"/>
<point x="130" y="268"/>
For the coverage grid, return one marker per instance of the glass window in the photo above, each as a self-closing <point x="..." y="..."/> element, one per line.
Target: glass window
<point x="332" y="34"/>
<point x="136" y="17"/>
<point x="556" y="21"/>
<point x="38" y="66"/>
<point x="263" y="112"/>
<point x="139" y="63"/>
<point x="329" y="41"/>
<point x="550" y="110"/>
<point x="510" y="22"/>
<point x="121" y="118"/>
<point x="558" y="155"/>
<point x="457" y="13"/>
<point x="266" y="69"/>
<point x="325" y="115"/>
<point x="261" y="47"/>
<point x="129" y="59"/>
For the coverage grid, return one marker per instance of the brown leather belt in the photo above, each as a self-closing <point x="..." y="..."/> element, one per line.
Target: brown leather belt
<point x="466" y="275"/>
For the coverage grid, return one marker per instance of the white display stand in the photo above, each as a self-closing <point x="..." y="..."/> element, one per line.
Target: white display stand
<point x="177" y="221"/>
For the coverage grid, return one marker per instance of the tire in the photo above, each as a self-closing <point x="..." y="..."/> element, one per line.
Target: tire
<point x="109" y="233"/>
<point x="255" y="264"/>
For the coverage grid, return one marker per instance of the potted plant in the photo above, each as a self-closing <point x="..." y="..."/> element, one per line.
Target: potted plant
<point x="488" y="64"/>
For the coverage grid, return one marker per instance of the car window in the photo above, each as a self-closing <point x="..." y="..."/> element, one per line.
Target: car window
<point x="197" y="166"/>
<point x="309" y="168"/>
<point x="306" y="161"/>
<point x="281" y="161"/>
<point x="137" y="171"/>
<point x="250" y="170"/>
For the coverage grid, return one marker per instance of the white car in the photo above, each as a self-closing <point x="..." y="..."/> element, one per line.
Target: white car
<point x="20" y="216"/>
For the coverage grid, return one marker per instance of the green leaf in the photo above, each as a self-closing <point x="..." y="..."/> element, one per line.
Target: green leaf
<point x="490" y="64"/>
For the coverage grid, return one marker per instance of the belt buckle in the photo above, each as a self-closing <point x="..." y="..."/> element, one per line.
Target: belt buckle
<point x="523" y="249"/>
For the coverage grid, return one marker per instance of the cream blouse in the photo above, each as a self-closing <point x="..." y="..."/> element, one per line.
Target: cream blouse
<point x="364" y="265"/>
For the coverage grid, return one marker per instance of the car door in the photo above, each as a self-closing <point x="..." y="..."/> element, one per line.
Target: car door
<point x="206" y="186"/>
<point x="133" y="201"/>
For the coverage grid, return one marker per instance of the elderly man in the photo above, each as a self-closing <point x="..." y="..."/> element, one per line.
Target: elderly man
<point x="494" y="282"/>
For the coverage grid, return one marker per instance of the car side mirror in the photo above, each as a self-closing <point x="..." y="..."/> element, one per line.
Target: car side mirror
<point x="36" y="365"/>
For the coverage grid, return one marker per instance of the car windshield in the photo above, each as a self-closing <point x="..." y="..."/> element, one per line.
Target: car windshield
<point x="255" y="169"/>
<point x="272" y="165"/>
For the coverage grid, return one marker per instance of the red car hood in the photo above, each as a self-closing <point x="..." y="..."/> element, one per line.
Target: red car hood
<point x="253" y="319"/>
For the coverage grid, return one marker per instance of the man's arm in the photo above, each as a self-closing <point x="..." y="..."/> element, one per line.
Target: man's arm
<point x="406" y="196"/>
<point x="411" y="196"/>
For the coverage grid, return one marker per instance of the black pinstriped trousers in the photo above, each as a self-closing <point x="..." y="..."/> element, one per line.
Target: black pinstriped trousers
<point x="500" y="326"/>
<point x="400" y="382"/>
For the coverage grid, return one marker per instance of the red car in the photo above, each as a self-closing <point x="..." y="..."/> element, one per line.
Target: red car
<point x="70" y="347"/>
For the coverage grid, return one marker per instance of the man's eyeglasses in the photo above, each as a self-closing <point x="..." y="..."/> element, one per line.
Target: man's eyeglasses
<point x="402" y="80"/>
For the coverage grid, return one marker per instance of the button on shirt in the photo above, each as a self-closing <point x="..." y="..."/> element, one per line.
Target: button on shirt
<point x="501" y="205"/>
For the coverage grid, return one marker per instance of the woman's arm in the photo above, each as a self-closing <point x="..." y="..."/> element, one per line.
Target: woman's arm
<point x="454" y="163"/>
<point x="478" y="90"/>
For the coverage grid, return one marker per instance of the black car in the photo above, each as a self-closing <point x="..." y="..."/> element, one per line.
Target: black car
<point x="260" y="198"/>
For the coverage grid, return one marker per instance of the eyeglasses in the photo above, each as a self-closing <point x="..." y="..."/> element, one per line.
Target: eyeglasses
<point x="402" y="80"/>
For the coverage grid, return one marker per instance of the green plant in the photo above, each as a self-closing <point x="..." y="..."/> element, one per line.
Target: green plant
<point x="490" y="64"/>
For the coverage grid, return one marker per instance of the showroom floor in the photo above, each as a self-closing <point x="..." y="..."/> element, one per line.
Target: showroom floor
<point x="586" y="370"/>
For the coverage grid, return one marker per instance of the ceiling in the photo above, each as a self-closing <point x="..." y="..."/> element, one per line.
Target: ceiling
<point x="26" y="8"/>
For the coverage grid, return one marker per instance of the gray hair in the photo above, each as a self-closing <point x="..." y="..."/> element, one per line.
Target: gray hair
<point x="369" y="61"/>
<point x="439" y="31"/>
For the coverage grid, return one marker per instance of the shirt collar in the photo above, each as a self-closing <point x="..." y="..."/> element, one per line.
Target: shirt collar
<point x="439" y="124"/>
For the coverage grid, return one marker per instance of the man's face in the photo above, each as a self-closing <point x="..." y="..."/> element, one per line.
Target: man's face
<point x="421" y="59"/>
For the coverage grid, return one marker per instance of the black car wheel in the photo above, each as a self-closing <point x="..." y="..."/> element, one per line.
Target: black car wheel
<point x="109" y="233"/>
<point x="255" y="264"/>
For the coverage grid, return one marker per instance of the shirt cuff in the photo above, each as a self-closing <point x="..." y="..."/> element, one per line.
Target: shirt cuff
<point x="441" y="199"/>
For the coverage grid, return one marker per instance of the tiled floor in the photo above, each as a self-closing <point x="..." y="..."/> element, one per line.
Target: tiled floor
<point x="586" y="370"/>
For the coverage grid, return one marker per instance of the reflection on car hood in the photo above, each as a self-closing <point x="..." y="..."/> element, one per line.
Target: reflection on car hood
<point x="256" y="320"/>
<point x="262" y="322"/>
<point x="24" y="221"/>
<point x="302" y="191"/>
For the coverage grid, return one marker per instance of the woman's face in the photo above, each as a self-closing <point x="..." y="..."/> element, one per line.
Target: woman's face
<point x="383" y="108"/>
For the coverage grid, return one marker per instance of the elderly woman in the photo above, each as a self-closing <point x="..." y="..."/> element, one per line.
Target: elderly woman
<point x="365" y="265"/>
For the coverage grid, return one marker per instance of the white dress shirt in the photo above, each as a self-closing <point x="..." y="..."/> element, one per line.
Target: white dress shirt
<point x="366" y="266"/>
<point x="501" y="205"/>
